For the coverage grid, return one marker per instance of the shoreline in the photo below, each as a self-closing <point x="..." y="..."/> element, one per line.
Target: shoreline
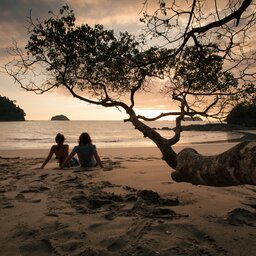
<point x="216" y="148"/>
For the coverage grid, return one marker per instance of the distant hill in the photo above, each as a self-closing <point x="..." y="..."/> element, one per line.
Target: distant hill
<point x="9" y="111"/>
<point x="195" y="118"/>
<point x="243" y="114"/>
<point x="59" y="118"/>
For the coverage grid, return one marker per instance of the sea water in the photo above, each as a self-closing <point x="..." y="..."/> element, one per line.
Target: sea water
<point x="105" y="134"/>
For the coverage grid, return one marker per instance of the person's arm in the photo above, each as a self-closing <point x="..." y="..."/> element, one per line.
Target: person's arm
<point x="48" y="157"/>
<point x="66" y="151"/>
<point x="67" y="159"/>
<point x="97" y="158"/>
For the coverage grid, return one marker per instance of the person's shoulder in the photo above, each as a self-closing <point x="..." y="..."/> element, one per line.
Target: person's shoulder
<point x="75" y="148"/>
<point x="54" y="148"/>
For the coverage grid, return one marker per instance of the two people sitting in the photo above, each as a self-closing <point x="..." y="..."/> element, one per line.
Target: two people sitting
<point x="85" y="150"/>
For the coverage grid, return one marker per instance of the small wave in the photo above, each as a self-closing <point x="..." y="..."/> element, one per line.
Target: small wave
<point x="110" y="141"/>
<point x="26" y="139"/>
<point x="40" y="134"/>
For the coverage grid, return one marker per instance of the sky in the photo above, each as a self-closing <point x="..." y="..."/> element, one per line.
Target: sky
<point x="113" y="14"/>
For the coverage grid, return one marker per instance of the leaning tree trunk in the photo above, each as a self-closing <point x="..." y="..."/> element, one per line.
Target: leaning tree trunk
<point x="169" y="155"/>
<point x="233" y="167"/>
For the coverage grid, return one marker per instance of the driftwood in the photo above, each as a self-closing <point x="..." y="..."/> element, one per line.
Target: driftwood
<point x="234" y="167"/>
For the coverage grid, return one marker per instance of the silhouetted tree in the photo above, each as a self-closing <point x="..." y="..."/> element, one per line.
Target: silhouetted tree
<point x="243" y="114"/>
<point x="9" y="111"/>
<point x="100" y="68"/>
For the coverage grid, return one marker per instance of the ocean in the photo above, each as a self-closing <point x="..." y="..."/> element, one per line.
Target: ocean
<point x="105" y="134"/>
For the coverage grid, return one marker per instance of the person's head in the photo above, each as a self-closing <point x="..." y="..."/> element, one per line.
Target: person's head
<point x="59" y="139"/>
<point x="84" y="139"/>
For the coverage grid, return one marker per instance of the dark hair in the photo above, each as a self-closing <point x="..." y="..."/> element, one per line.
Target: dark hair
<point x="59" y="140"/>
<point x="84" y="139"/>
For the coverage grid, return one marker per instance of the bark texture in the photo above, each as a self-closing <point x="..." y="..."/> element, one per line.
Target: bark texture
<point x="233" y="167"/>
<point x="169" y="155"/>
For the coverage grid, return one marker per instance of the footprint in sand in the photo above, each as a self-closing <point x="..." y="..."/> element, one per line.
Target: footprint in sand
<point x="240" y="216"/>
<point x="9" y="249"/>
<point x="39" y="248"/>
<point x="115" y="244"/>
<point x="251" y="202"/>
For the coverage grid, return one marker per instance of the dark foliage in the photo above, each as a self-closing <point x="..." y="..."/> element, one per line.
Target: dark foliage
<point x="243" y="114"/>
<point x="9" y="111"/>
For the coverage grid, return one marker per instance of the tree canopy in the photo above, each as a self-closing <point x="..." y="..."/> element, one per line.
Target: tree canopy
<point x="89" y="59"/>
<point x="204" y="66"/>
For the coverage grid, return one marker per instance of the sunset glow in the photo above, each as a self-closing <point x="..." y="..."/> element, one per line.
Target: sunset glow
<point x="112" y="14"/>
<point x="151" y="113"/>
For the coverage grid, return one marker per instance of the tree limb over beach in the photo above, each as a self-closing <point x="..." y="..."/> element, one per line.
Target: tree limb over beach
<point x="205" y="77"/>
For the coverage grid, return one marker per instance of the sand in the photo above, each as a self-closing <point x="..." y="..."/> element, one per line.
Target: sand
<point x="130" y="207"/>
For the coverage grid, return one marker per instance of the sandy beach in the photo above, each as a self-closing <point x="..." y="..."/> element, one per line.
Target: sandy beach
<point x="130" y="207"/>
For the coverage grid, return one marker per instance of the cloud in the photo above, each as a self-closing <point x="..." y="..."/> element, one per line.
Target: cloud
<point x="18" y="10"/>
<point x="14" y="19"/>
<point x="115" y="14"/>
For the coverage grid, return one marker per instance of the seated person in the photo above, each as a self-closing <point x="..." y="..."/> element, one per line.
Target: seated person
<point x="86" y="151"/>
<point x="60" y="150"/>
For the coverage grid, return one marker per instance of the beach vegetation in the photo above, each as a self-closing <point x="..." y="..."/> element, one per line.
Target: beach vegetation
<point x="205" y="66"/>
<point x="9" y="111"/>
<point x="243" y="114"/>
